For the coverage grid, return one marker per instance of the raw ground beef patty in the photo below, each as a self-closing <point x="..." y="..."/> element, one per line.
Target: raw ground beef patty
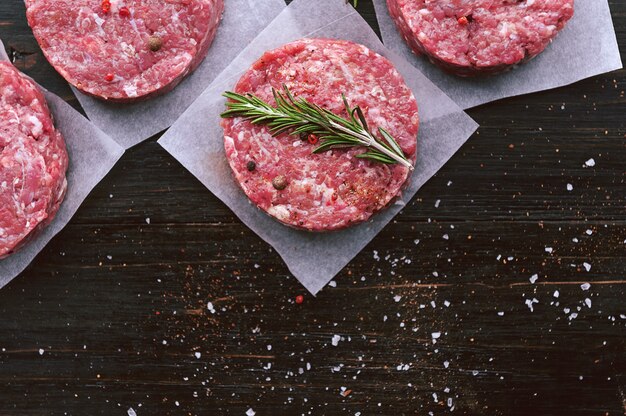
<point x="474" y="37"/>
<point x="333" y="189"/>
<point x="124" y="50"/>
<point x="33" y="161"/>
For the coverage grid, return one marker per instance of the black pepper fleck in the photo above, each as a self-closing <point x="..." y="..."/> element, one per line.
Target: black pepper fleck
<point x="251" y="166"/>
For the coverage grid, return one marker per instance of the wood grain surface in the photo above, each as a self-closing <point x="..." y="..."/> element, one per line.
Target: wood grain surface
<point x="432" y="317"/>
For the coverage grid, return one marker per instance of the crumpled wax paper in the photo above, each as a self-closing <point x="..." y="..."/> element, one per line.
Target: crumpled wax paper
<point x="130" y="124"/>
<point x="196" y="141"/>
<point x="92" y="155"/>
<point x="584" y="48"/>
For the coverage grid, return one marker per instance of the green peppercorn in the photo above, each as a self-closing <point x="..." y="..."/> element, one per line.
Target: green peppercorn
<point x="155" y="43"/>
<point x="279" y="183"/>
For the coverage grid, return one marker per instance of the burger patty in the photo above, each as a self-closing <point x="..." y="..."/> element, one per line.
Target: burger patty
<point x="333" y="189"/>
<point x="124" y="50"/>
<point x="33" y="161"/>
<point x="474" y="37"/>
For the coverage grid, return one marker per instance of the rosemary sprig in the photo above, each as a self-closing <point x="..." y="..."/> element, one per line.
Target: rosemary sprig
<point x="298" y="117"/>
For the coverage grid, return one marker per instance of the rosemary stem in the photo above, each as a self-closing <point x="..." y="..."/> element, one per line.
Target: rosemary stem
<point x="369" y="141"/>
<point x="298" y="116"/>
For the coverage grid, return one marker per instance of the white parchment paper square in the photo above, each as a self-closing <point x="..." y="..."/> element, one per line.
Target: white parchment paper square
<point x="130" y="124"/>
<point x="196" y="140"/>
<point x="586" y="47"/>
<point x="92" y="155"/>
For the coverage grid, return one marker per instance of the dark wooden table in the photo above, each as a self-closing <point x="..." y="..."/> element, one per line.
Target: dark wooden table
<point x="113" y="313"/>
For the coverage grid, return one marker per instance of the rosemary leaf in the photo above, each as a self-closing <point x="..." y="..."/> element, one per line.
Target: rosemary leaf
<point x="298" y="117"/>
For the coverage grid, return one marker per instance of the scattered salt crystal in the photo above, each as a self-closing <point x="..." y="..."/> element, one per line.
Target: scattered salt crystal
<point x="176" y="403"/>
<point x="335" y="340"/>
<point x="198" y="355"/>
<point x="435" y="397"/>
<point x="590" y="163"/>
<point x="566" y="310"/>
<point x="570" y="187"/>
<point x="41" y="351"/>
<point x="588" y="302"/>
<point x="210" y="307"/>
<point x="575" y="240"/>
<point x="269" y="347"/>
<point x="573" y="316"/>
<point x="589" y="232"/>
<point x="332" y="283"/>
<point x="446" y="303"/>
<point x="437" y="202"/>
<point x="587" y="266"/>
<point x="131" y="412"/>
<point x="446" y="237"/>
<point x="501" y="313"/>
<point x="416" y="241"/>
<point x="148" y="220"/>
<point x="530" y="302"/>
<point x="250" y="412"/>
<point x="446" y="364"/>
<point x="449" y="183"/>
<point x="436" y="335"/>
<point x="533" y="278"/>
<point x="397" y="298"/>
<point x="548" y="249"/>
<point x="585" y="286"/>
<point x="556" y="294"/>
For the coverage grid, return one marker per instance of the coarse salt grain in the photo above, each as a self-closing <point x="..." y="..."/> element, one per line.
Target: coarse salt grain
<point x="335" y="340"/>
<point x="530" y="302"/>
